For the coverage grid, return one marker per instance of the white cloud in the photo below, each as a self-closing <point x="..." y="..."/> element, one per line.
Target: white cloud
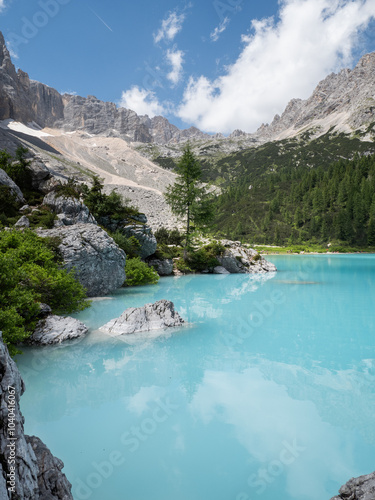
<point x="175" y="58"/>
<point x="279" y="60"/>
<point x="141" y="101"/>
<point x="2" y="5"/>
<point x="219" y="29"/>
<point x="169" y="27"/>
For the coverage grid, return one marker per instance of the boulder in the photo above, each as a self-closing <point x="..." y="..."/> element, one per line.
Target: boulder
<point x="37" y="472"/>
<point x="238" y="259"/>
<point x="157" y="316"/>
<point x="360" y="488"/>
<point x="164" y="267"/>
<point x="22" y="222"/>
<point x="40" y="174"/>
<point x="145" y="237"/>
<point x="52" y="483"/>
<point x="56" y="329"/>
<point x="5" y="180"/>
<point x="98" y="262"/>
<point x="70" y="210"/>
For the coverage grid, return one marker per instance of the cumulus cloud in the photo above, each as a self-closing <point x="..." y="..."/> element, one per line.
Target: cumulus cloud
<point x="169" y="27"/>
<point x="141" y="101"/>
<point x="175" y="58"/>
<point x="215" y="35"/>
<point x="280" y="59"/>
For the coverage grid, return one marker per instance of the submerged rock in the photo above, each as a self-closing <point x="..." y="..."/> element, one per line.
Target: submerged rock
<point x="36" y="471"/>
<point x="157" y="316"/>
<point x="98" y="262"/>
<point x="56" y="329"/>
<point x="220" y="270"/>
<point x="359" y="488"/>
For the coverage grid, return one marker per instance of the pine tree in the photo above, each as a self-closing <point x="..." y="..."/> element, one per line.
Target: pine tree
<point x="187" y="197"/>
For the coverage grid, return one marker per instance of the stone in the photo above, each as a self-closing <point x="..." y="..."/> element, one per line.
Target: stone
<point x="24" y="208"/>
<point x="40" y="174"/>
<point x="70" y="210"/>
<point x="44" y="310"/>
<point x="158" y="316"/>
<point x="98" y="262"/>
<point x="145" y="237"/>
<point x="238" y="259"/>
<point x="22" y="222"/>
<point x="38" y="473"/>
<point x="164" y="267"/>
<point x="5" y="180"/>
<point x="56" y="329"/>
<point x="360" y="488"/>
<point x="220" y="270"/>
<point x="52" y="484"/>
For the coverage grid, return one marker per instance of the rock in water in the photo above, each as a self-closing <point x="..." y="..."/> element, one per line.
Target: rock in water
<point x="157" y="316"/>
<point x="37" y="472"/>
<point x="238" y="259"/>
<point x="360" y="488"/>
<point x="98" y="263"/>
<point x="56" y="329"/>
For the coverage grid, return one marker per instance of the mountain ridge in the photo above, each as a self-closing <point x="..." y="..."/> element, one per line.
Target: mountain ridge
<point x="344" y="101"/>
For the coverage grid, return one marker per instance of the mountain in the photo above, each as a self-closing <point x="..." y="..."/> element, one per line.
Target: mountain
<point x="344" y="102"/>
<point x="25" y="101"/>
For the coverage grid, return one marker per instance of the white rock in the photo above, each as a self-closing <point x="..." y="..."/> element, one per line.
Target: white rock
<point x="158" y="316"/>
<point x="56" y="329"/>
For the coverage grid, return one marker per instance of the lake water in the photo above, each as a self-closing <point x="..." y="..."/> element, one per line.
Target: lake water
<point x="267" y="393"/>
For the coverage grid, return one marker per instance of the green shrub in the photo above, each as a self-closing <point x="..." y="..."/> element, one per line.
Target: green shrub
<point x="102" y="205"/>
<point x="131" y="245"/>
<point x="169" y="237"/>
<point x="8" y="204"/>
<point x="70" y="189"/>
<point x="139" y="273"/>
<point x="43" y="217"/>
<point x="29" y="275"/>
<point x="182" y="266"/>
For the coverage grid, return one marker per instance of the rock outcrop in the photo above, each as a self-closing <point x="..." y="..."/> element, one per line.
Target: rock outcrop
<point x="28" y="470"/>
<point x="69" y="210"/>
<point x="25" y="100"/>
<point x="360" y="488"/>
<point x="157" y="316"/>
<point x="6" y="181"/>
<point x="98" y="263"/>
<point x="56" y="329"/>
<point x="238" y="259"/>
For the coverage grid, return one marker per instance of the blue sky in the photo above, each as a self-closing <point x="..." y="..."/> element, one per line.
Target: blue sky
<point x="215" y="64"/>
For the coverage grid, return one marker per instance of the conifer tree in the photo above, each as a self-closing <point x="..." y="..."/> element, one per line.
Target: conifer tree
<point x="187" y="197"/>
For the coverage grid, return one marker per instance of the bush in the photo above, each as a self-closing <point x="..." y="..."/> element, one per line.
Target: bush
<point x="139" y="273"/>
<point x="102" y="205"/>
<point x="30" y="275"/>
<point x="131" y="245"/>
<point x="205" y="257"/>
<point x="166" y="237"/>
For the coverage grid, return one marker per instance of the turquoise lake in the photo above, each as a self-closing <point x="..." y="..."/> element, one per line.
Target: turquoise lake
<point x="267" y="392"/>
